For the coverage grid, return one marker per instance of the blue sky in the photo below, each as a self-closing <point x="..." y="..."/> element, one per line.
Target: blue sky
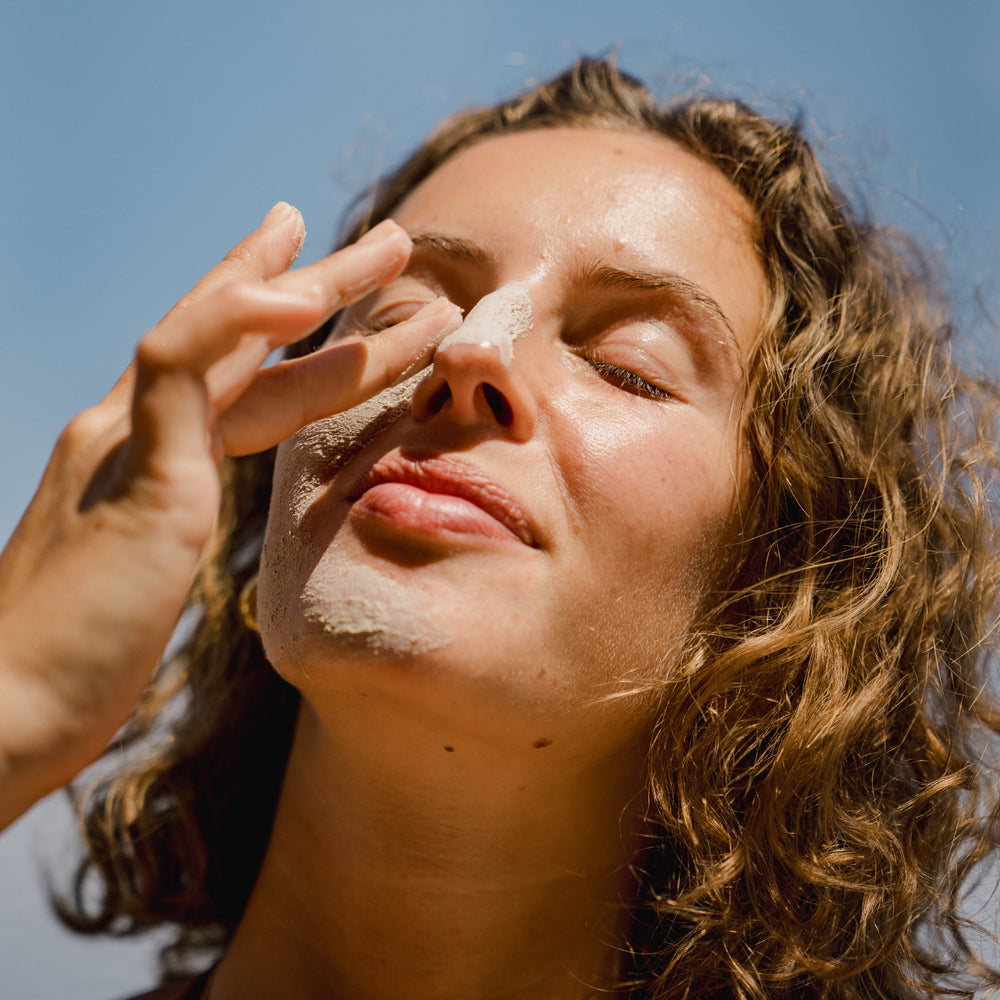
<point x="140" y="140"/>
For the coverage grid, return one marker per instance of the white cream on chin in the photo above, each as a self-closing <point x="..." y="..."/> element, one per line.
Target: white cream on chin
<point x="497" y="319"/>
<point x="356" y="606"/>
<point x="367" y="607"/>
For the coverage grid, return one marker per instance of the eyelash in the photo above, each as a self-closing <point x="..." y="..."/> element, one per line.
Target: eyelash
<point x="368" y="328"/>
<point x="377" y="326"/>
<point x="626" y="379"/>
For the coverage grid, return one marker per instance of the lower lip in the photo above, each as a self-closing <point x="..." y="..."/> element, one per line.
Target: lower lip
<point x="413" y="510"/>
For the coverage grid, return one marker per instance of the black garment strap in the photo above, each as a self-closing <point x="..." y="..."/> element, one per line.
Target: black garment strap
<point x="197" y="988"/>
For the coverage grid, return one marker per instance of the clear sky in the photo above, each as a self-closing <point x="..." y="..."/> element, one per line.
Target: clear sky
<point x="141" y="139"/>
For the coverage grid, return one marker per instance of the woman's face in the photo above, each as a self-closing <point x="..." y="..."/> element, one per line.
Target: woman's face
<point x="537" y="527"/>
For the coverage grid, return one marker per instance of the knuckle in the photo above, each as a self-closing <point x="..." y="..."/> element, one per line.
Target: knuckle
<point x="241" y="257"/>
<point x="82" y="429"/>
<point x="154" y="352"/>
<point x="183" y="303"/>
<point x="236" y="296"/>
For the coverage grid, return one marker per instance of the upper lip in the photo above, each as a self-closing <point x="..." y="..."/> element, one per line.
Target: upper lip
<point x="447" y="476"/>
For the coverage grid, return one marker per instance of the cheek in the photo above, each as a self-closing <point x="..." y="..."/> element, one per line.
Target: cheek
<point x="650" y="471"/>
<point x="656" y="502"/>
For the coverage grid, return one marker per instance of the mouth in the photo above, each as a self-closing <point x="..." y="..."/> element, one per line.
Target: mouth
<point x="438" y="496"/>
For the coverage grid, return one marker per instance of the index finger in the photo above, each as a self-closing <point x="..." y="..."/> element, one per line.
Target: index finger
<point x="267" y="252"/>
<point x="291" y="394"/>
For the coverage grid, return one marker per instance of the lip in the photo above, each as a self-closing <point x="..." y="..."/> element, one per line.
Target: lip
<point x="483" y="507"/>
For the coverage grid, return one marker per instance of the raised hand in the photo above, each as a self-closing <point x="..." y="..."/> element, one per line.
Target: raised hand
<point x="96" y="573"/>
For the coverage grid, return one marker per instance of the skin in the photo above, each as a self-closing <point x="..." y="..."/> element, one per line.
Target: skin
<point x="458" y="821"/>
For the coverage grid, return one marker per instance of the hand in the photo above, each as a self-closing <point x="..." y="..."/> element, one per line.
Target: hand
<point x="95" y="575"/>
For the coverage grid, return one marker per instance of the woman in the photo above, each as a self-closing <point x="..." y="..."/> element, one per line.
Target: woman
<point x="628" y="636"/>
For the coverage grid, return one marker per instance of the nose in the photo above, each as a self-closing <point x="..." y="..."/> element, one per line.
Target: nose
<point x="475" y="384"/>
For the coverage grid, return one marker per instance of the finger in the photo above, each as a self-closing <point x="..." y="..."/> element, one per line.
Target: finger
<point x="291" y="394"/>
<point x="210" y="324"/>
<point x="268" y="251"/>
<point x="237" y="312"/>
<point x="170" y="437"/>
<point x="172" y="417"/>
<point x="349" y="274"/>
<point x="235" y="329"/>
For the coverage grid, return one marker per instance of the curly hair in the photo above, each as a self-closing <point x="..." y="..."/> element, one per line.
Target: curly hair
<point x="821" y="780"/>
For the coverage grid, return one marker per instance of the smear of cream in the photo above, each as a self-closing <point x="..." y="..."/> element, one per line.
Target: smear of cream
<point x="366" y="607"/>
<point x="498" y="319"/>
<point x="301" y="599"/>
<point x="319" y="450"/>
<point x="309" y="589"/>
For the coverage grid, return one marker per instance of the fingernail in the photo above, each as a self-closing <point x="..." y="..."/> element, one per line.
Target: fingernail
<point x="300" y="236"/>
<point x="437" y="309"/>
<point x="277" y="215"/>
<point x="383" y="232"/>
<point x="442" y="307"/>
<point x="444" y="314"/>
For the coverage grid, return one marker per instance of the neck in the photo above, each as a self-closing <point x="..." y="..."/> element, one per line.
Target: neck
<point x="398" y="868"/>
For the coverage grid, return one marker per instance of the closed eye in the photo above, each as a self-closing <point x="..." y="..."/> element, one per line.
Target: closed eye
<point x="369" y="326"/>
<point x="375" y="326"/>
<point x="626" y="379"/>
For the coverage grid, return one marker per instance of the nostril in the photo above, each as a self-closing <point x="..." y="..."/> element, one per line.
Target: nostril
<point x="498" y="404"/>
<point x="437" y="399"/>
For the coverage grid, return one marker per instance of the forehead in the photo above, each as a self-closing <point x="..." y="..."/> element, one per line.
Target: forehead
<point x="575" y="195"/>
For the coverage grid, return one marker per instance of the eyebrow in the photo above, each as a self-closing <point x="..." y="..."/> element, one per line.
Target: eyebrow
<point x="454" y="246"/>
<point x="601" y="275"/>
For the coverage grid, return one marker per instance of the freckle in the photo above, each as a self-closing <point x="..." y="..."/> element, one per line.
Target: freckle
<point x="542" y="671"/>
<point x="542" y="743"/>
<point x="450" y="749"/>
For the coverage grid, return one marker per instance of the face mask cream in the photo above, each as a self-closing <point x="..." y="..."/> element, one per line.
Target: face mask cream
<point x="308" y="588"/>
<point x="497" y="320"/>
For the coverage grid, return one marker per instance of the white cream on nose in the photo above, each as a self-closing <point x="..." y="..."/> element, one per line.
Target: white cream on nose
<point x="497" y="320"/>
